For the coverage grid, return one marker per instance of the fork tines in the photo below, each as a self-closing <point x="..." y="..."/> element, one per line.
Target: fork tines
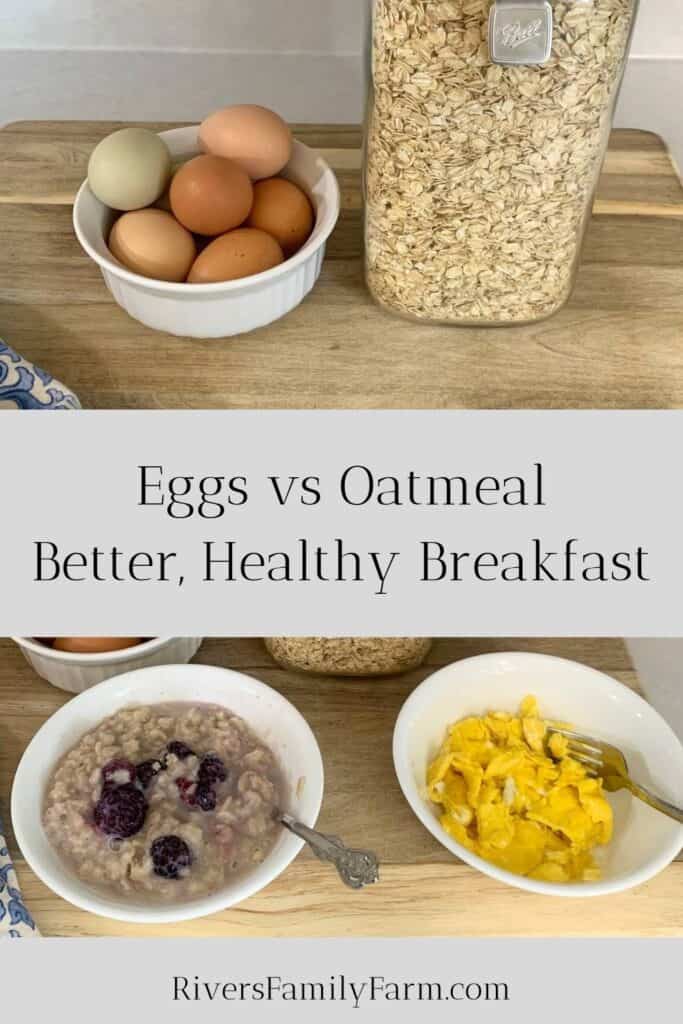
<point x="582" y="749"/>
<point x="577" y="737"/>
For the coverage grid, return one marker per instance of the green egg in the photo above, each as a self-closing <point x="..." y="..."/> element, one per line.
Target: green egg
<point x="129" y="169"/>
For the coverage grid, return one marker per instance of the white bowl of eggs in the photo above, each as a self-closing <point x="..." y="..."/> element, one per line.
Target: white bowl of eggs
<point x="641" y="841"/>
<point x="77" y="663"/>
<point x="208" y="231"/>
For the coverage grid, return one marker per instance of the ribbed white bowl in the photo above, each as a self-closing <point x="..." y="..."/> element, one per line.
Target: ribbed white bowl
<point x="216" y="310"/>
<point x="78" y="672"/>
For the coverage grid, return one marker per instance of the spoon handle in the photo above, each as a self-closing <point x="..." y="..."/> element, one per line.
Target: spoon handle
<point x="357" y="868"/>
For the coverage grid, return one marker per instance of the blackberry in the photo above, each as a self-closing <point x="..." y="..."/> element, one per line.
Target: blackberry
<point x="205" y="798"/>
<point x="121" y="811"/>
<point x="147" y="771"/>
<point x="180" y="749"/>
<point x="212" y="770"/>
<point x="171" y="856"/>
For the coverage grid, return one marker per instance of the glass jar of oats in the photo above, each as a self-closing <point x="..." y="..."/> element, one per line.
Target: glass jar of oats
<point x="350" y="656"/>
<point x="487" y="126"/>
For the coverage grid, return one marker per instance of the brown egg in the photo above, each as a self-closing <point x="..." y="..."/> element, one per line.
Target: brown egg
<point x="152" y="243"/>
<point x="254" y="137"/>
<point x="94" y="644"/>
<point x="211" y="195"/>
<point x="238" y="254"/>
<point x="284" y="211"/>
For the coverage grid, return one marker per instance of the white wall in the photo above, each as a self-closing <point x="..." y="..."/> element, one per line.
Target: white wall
<point x="653" y="88"/>
<point x="243" y="25"/>
<point x="176" y="59"/>
<point x="659" y="32"/>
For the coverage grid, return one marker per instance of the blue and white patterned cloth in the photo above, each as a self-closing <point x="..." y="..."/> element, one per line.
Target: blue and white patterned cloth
<point x="15" y="920"/>
<point x="25" y="386"/>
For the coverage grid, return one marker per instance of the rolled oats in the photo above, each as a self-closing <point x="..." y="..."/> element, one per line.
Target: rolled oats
<point x="349" y="656"/>
<point x="480" y="177"/>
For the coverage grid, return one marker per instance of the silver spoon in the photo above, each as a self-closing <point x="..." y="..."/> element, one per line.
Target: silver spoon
<point x="357" y="868"/>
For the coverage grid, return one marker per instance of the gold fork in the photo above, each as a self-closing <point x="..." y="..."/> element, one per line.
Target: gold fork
<point x="609" y="764"/>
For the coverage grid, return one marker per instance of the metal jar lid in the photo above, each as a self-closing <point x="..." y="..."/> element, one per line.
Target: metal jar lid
<point x="521" y="32"/>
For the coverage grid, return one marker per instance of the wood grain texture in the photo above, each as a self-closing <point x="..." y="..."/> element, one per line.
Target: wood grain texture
<point x="440" y="900"/>
<point x="616" y="345"/>
<point x="424" y="891"/>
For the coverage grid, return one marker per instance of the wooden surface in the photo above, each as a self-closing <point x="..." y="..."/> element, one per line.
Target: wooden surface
<point x="423" y="891"/>
<point x="617" y="345"/>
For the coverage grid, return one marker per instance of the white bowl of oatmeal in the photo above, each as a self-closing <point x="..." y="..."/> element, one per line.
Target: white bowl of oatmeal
<point x="151" y="797"/>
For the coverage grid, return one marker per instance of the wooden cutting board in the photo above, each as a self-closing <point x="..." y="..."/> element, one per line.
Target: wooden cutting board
<point x="424" y="891"/>
<point x="618" y="344"/>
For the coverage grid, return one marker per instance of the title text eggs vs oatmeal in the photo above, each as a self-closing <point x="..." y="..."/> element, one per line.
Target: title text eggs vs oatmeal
<point x="358" y="486"/>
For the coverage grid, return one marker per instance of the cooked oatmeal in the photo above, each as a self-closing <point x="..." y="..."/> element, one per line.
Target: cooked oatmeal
<point x="169" y="800"/>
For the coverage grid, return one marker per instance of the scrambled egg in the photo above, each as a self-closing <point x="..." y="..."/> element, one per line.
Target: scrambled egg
<point x="509" y="792"/>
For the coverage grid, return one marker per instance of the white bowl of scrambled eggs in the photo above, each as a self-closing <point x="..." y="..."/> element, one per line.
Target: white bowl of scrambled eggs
<point x="499" y="792"/>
